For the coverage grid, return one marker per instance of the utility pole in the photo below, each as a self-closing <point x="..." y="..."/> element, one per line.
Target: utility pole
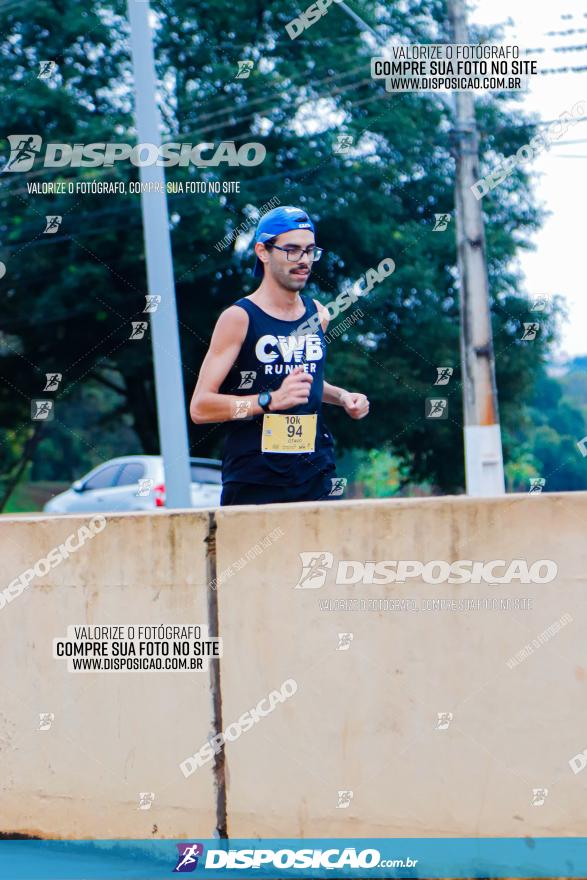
<point x="171" y="408"/>
<point x="482" y="434"/>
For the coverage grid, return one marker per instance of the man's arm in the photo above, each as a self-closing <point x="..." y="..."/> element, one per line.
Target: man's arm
<point x="355" y="405"/>
<point x="208" y="405"/>
<point x="333" y="394"/>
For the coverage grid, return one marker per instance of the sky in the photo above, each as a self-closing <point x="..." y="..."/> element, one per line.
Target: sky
<point x="558" y="265"/>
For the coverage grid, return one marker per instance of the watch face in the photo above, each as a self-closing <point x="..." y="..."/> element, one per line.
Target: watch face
<point x="264" y="398"/>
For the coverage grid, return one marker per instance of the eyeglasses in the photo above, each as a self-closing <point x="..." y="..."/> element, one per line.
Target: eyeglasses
<point x="294" y="254"/>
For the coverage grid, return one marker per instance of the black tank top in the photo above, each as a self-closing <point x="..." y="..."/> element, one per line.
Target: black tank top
<point x="270" y="351"/>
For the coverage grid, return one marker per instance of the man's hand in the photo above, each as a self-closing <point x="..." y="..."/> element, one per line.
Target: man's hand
<point x="355" y="405"/>
<point x="294" y="389"/>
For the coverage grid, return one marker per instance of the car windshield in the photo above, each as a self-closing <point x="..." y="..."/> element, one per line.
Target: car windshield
<point x="203" y="474"/>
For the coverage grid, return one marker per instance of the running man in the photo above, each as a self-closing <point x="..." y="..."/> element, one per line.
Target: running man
<point x="264" y="375"/>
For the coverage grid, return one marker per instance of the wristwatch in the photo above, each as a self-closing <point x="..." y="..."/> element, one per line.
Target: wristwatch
<point x="264" y="399"/>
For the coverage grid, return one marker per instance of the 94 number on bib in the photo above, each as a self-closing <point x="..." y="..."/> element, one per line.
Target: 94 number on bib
<point x="283" y="433"/>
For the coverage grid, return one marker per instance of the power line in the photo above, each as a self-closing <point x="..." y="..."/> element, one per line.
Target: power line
<point x="225" y="98"/>
<point x="566" y="33"/>
<point x="236" y="121"/>
<point x="275" y="107"/>
<point x="563" y="70"/>
<point x="538" y="50"/>
<point x="264" y="98"/>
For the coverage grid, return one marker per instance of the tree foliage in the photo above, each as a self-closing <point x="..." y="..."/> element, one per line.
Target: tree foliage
<point x="69" y="298"/>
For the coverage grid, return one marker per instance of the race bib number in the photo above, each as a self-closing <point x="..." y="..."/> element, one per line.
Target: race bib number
<point x="288" y="433"/>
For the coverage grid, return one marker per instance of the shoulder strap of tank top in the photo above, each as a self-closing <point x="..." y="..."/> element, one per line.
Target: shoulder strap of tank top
<point x="249" y="307"/>
<point x="311" y="307"/>
<point x="245" y="304"/>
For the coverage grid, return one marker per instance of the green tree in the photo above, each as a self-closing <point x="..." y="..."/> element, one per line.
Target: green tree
<point x="70" y="297"/>
<point x="544" y="442"/>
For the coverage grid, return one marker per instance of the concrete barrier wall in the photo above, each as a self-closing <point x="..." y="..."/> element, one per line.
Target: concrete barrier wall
<point x="364" y="720"/>
<point x="114" y="735"/>
<point x="358" y="749"/>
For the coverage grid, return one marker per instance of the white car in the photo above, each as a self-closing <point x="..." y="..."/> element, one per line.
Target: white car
<point x="135" y="482"/>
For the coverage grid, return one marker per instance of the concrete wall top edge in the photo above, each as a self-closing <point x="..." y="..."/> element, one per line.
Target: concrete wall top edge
<point x="438" y="500"/>
<point x="204" y="512"/>
<point x="198" y="513"/>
